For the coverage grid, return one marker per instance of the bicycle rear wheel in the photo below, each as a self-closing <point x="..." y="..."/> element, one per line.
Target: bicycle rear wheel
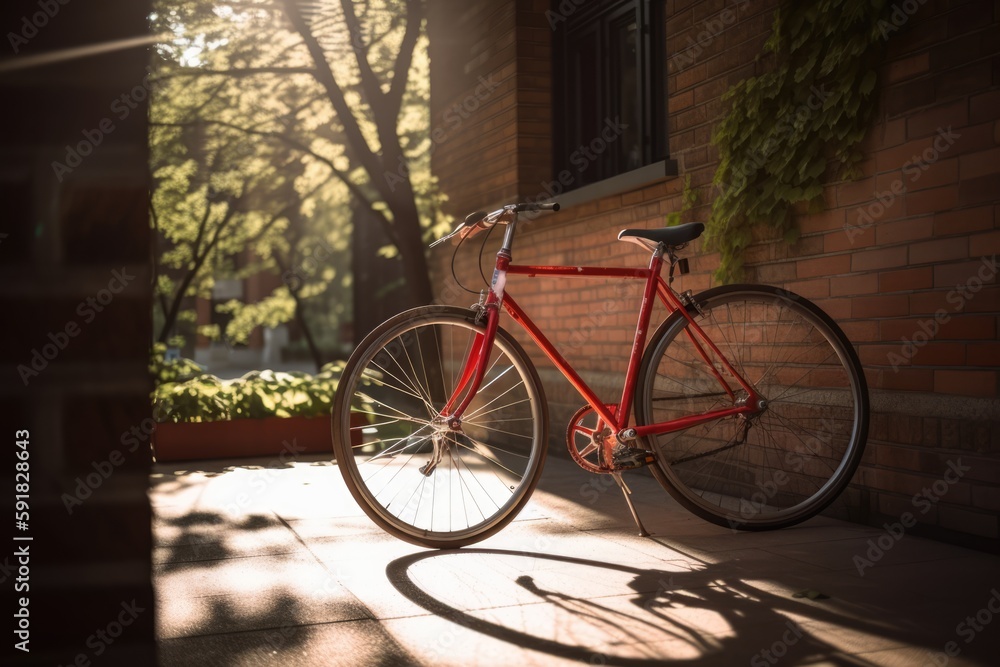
<point x="420" y="480"/>
<point x="794" y="458"/>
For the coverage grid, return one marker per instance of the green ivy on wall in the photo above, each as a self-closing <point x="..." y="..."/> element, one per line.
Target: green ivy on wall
<point x="789" y="129"/>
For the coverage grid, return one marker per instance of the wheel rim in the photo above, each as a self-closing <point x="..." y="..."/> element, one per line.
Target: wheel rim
<point x="790" y="459"/>
<point x="478" y="475"/>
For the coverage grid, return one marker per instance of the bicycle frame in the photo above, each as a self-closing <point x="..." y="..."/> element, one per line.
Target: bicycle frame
<point x="617" y="419"/>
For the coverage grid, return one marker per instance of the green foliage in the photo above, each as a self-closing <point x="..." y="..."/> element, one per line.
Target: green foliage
<point x="796" y="124"/>
<point x="689" y="198"/>
<point x="256" y="395"/>
<point x="253" y="167"/>
<point x="270" y="311"/>
<point x="174" y="370"/>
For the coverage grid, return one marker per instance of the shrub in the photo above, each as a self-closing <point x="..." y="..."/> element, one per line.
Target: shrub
<point x="186" y="392"/>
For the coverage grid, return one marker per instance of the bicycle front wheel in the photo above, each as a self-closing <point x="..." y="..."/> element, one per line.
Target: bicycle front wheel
<point x="416" y="478"/>
<point x="788" y="462"/>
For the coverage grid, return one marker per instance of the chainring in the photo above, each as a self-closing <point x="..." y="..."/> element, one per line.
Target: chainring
<point x="584" y="434"/>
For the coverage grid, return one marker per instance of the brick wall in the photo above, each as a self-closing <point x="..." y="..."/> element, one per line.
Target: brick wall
<point x="900" y="257"/>
<point x="74" y="286"/>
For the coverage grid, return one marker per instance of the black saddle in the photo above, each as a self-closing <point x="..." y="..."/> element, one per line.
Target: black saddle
<point x="670" y="236"/>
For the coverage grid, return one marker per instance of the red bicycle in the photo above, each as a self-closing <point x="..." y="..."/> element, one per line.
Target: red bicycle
<point x="750" y="404"/>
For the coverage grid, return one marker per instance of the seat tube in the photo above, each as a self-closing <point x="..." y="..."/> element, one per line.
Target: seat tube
<point x="641" y="331"/>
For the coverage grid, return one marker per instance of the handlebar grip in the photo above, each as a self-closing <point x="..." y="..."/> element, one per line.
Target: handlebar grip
<point x="551" y="206"/>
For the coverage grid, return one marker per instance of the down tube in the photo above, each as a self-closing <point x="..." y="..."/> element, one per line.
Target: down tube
<point x="560" y="362"/>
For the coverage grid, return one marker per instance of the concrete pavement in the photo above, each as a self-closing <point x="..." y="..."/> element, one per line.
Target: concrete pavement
<point x="259" y="562"/>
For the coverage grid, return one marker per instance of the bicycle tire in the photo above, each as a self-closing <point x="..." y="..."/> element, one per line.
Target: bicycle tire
<point x="396" y="381"/>
<point x="800" y="453"/>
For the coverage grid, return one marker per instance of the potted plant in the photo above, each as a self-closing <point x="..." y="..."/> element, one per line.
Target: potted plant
<point x="263" y="413"/>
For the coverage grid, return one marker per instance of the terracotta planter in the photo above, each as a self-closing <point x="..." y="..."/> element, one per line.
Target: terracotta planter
<point x="273" y="436"/>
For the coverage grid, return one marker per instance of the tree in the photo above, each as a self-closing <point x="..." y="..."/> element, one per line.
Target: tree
<point x="337" y="93"/>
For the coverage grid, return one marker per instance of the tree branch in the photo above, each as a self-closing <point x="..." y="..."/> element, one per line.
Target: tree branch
<point x="353" y="187"/>
<point x="369" y="81"/>
<point x="324" y="75"/>
<point x="401" y="71"/>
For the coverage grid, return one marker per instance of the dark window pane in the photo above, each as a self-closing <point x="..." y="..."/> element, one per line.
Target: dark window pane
<point x="625" y="90"/>
<point x="608" y="90"/>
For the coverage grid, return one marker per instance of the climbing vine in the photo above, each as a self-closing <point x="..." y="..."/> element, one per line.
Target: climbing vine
<point x="800" y="122"/>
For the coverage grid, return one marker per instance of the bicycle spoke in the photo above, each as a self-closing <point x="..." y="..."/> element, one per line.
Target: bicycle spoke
<point x="806" y="436"/>
<point x="482" y="474"/>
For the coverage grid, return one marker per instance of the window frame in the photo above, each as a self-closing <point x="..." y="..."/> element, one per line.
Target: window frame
<point x="603" y="18"/>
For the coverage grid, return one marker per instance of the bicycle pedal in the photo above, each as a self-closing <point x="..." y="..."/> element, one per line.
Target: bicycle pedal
<point x="632" y="457"/>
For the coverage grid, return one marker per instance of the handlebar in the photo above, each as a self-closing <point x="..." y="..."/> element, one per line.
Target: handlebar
<point x="475" y="222"/>
<point x="551" y="206"/>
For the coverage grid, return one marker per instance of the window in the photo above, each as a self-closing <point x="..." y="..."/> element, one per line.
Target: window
<point x="608" y="89"/>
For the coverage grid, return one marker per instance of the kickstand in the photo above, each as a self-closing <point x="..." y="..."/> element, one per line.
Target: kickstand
<point x="628" y="499"/>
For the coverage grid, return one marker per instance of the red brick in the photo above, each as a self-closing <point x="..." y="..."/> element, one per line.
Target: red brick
<point x="962" y="81"/>
<point x="963" y="221"/>
<point x="978" y="164"/>
<point x="853" y="193"/>
<point x="985" y="244"/>
<point x="817" y="222"/>
<point x="979" y="190"/>
<point x="966" y="383"/>
<point x="860" y="330"/>
<point x="892" y="159"/>
<point x="832" y="265"/>
<point x="910" y="379"/>
<point x="939" y="354"/>
<point x="984" y="107"/>
<point x="880" y="258"/>
<point x="815" y="288"/>
<point x="681" y="100"/>
<point x="944" y="326"/>
<point x="905" y="280"/>
<point x="903" y="98"/>
<point x="932" y="200"/>
<point x="967" y="327"/>
<point x="906" y="68"/>
<point x="776" y="273"/>
<point x="972" y="139"/>
<point x="929" y="122"/>
<point x="929" y="302"/>
<point x="896" y="330"/>
<point x="883" y="305"/>
<point x="987" y="300"/>
<point x="882" y="205"/>
<point x="878" y="355"/>
<point x="888" y="134"/>
<point x="922" y="176"/>
<point x="983" y="354"/>
<point x="888" y="233"/>
<point x="866" y="283"/>
<point x="839" y="308"/>
<point x="939" y="250"/>
<point x="955" y="275"/>
<point x="848" y="239"/>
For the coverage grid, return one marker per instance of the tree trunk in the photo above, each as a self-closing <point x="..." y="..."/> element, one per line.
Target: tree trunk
<point x="317" y="355"/>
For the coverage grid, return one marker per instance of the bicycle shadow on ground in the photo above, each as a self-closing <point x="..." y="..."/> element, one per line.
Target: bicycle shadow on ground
<point x="702" y="616"/>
